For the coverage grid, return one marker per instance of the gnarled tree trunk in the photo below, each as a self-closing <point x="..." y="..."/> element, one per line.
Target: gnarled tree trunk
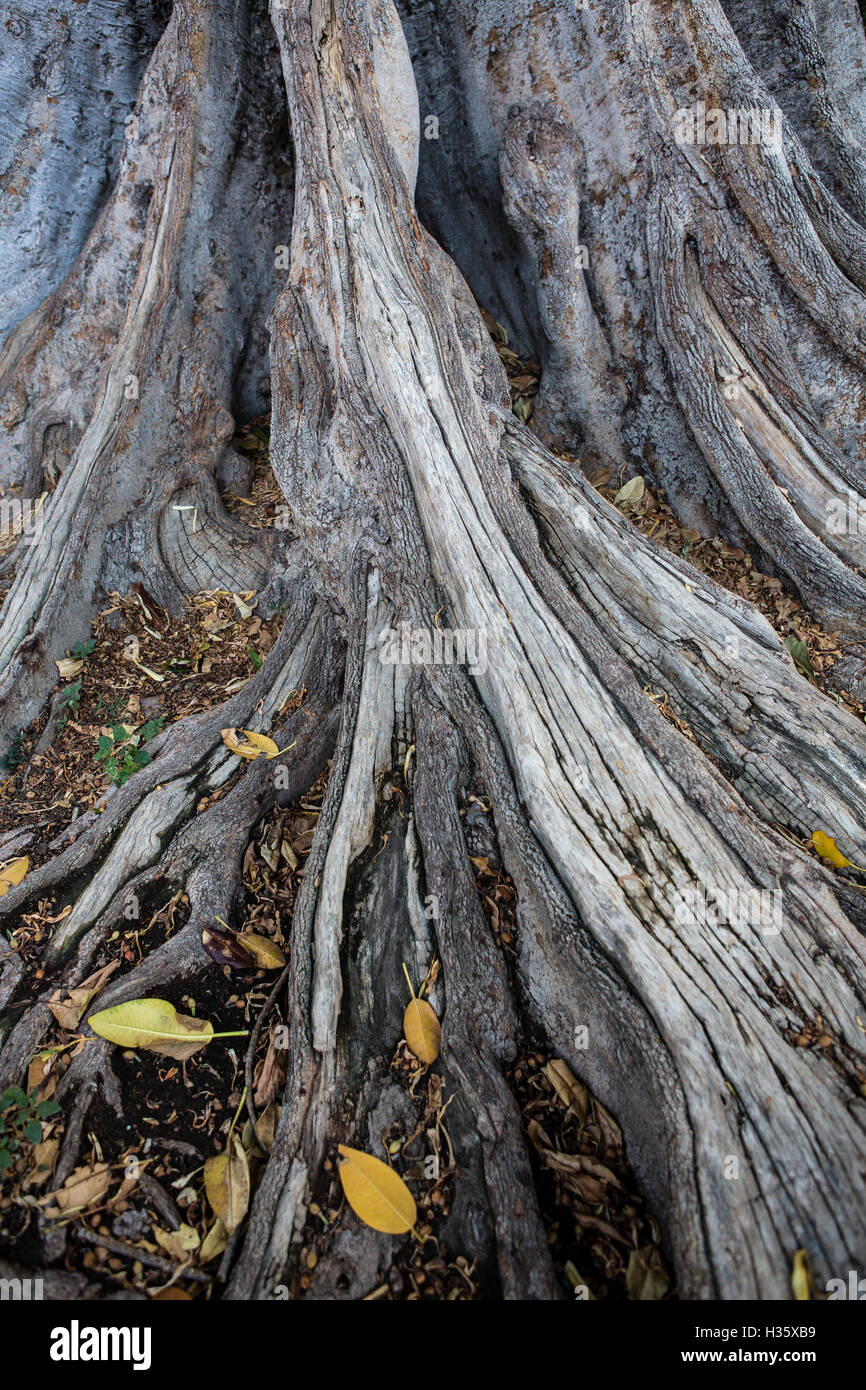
<point x="698" y="310"/>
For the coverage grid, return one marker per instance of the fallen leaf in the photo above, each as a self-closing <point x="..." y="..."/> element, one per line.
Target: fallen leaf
<point x="214" y="1243"/>
<point x="567" y="1087"/>
<point x="802" y="1283"/>
<point x="266" y="953"/>
<point x="178" y="1243"/>
<point x="267" y="745"/>
<point x="631" y="492"/>
<point x="254" y="747"/>
<point x="610" y="1130"/>
<point x="155" y="1025"/>
<point x="422" y="1030"/>
<point x="39" y="1069"/>
<point x="83" y="1187"/>
<point x="266" y="1126"/>
<point x="574" y="1278"/>
<point x="67" y="667"/>
<point x="243" y="750"/>
<point x="646" y="1277"/>
<point x="70" y="1010"/>
<point x="581" y="1163"/>
<point x="376" y="1193"/>
<point x="44" y="1159"/>
<point x="827" y="848"/>
<point x="171" y="1295"/>
<point x="12" y="873"/>
<point x="226" y="949"/>
<point x="802" y="660"/>
<point x="242" y="607"/>
<point x="227" y="1184"/>
<point x="269" y="1080"/>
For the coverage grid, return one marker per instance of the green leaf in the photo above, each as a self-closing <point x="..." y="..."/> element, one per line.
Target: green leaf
<point x="800" y="652"/>
<point x="152" y="1024"/>
<point x="156" y="1026"/>
<point x="46" y="1108"/>
<point x="70" y="696"/>
<point x="33" y="1131"/>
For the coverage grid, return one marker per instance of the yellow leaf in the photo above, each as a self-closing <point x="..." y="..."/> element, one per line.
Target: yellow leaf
<point x="422" y="1030"/>
<point x="154" y="675"/>
<point x="154" y="1025"/>
<point x="12" y="873"/>
<point x="376" y="1193"/>
<point x="243" y="750"/>
<point x="802" y="1285"/>
<point x="214" y="1243"/>
<point x="227" y="1184"/>
<point x="267" y="745"/>
<point x="178" y="1243"/>
<point x="827" y="848"/>
<point x="264" y="952"/>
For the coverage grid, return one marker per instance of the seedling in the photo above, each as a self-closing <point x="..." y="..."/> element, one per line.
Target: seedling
<point x="123" y="752"/>
<point x="21" y="1116"/>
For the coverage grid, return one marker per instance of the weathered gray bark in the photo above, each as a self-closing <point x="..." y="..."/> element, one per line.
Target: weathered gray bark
<point x="413" y="492"/>
<point x="705" y="264"/>
<point x="141" y="353"/>
<point x="69" y="81"/>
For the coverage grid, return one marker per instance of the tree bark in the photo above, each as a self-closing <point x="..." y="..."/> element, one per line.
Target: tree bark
<point x="415" y="494"/>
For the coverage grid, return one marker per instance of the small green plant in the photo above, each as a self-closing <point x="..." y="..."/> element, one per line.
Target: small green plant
<point x="123" y="751"/>
<point x="21" y="1116"/>
<point x="16" y="754"/>
<point x="70" y="696"/>
<point x="110" y="710"/>
<point x="82" y="650"/>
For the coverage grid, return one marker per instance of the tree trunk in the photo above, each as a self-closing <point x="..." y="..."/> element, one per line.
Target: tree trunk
<point x="698" y="312"/>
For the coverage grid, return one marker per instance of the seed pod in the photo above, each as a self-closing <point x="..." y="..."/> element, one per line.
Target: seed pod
<point x="225" y="949"/>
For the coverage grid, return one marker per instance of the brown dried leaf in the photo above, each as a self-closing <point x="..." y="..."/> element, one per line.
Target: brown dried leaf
<point x="82" y="1188"/>
<point x="567" y="1087"/>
